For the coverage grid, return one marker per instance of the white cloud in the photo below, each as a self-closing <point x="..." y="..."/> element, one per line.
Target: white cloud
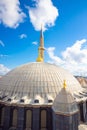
<point x="44" y="12"/>
<point x="76" y="53"/>
<point x="22" y="36"/>
<point x="74" y="58"/>
<point x="35" y="42"/>
<point x="1" y="55"/>
<point x="10" y="13"/>
<point x="1" y="43"/>
<point x="3" y="69"/>
<point x="55" y="59"/>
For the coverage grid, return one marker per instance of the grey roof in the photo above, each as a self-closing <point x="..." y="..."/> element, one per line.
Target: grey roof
<point x="64" y="102"/>
<point x="41" y="80"/>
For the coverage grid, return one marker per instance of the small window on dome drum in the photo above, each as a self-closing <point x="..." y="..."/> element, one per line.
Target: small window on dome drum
<point x="21" y="100"/>
<point x="9" y="99"/>
<point x="50" y="101"/>
<point x="36" y="101"/>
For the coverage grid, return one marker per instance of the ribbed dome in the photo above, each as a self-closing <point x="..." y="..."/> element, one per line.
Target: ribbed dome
<point x="36" y="81"/>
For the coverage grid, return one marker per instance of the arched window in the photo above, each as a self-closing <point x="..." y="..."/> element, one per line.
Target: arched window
<point x="36" y="101"/>
<point x="28" y="119"/>
<point x="14" y="118"/>
<point x="43" y="119"/>
<point x="2" y="111"/>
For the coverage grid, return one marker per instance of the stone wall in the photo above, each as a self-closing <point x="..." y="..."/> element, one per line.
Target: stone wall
<point x="21" y="118"/>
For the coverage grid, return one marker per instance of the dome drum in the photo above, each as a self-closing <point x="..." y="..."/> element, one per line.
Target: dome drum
<point x="25" y="118"/>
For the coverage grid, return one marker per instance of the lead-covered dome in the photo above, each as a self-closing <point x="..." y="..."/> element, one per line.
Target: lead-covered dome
<point x="35" y="82"/>
<point x="67" y="104"/>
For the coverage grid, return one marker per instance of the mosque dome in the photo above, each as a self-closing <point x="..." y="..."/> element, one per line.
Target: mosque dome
<point x="36" y="82"/>
<point x="67" y="104"/>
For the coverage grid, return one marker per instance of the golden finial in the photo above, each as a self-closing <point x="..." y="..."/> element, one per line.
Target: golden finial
<point x="39" y="59"/>
<point x="64" y="84"/>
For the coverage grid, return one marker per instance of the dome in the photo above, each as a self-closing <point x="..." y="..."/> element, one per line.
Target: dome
<point x="36" y="82"/>
<point x="67" y="104"/>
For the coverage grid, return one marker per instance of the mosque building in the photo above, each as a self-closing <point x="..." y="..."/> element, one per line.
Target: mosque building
<point x="41" y="96"/>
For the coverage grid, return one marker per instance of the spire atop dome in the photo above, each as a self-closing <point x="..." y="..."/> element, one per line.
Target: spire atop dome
<point x="41" y="32"/>
<point x="41" y="47"/>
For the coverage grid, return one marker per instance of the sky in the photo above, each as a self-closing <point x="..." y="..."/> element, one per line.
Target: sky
<point x="65" y="33"/>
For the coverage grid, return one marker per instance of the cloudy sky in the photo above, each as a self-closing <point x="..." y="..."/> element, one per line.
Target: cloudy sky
<point x="65" y="33"/>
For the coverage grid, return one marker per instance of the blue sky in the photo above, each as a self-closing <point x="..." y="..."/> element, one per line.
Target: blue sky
<point x="65" y="33"/>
